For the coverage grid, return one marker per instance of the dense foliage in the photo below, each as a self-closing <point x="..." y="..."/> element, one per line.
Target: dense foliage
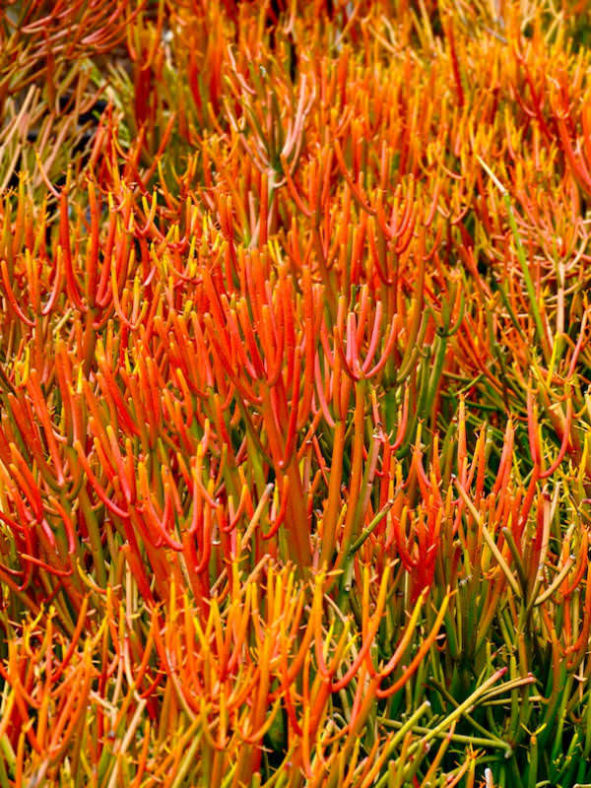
<point x="295" y="439"/>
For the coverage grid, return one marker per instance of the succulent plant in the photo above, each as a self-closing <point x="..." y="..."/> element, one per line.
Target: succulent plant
<point x="295" y="432"/>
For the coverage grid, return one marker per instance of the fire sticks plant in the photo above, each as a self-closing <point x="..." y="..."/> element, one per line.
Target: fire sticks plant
<point x="295" y="432"/>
